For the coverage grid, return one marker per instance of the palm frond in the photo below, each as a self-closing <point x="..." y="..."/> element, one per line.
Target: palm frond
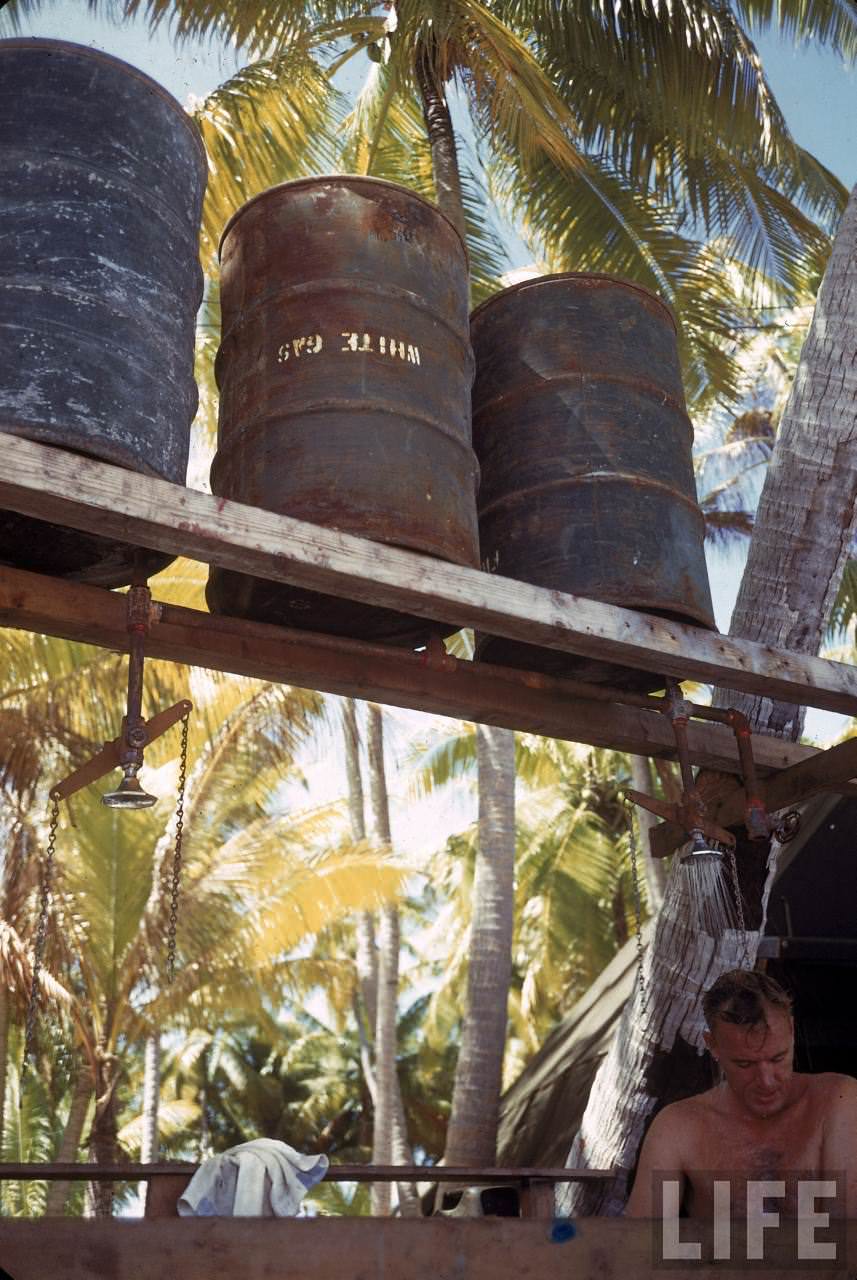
<point x="273" y="121"/>
<point x="830" y="24"/>
<point x="252" y="25"/>
<point x="844" y="609"/>
<point x="453" y="757"/>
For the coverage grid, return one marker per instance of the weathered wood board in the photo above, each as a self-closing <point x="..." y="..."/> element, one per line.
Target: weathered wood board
<point x="85" y="494"/>
<point x="376" y="1249"/>
<point x="472" y="691"/>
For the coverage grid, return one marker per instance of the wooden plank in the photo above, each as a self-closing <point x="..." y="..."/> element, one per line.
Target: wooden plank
<point x="472" y="691"/>
<point x="385" y="1249"/>
<point x="780" y="790"/>
<point x="59" y="1172"/>
<point x="40" y="481"/>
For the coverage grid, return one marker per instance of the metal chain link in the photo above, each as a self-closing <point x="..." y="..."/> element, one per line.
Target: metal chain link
<point x="41" y="934"/>
<point x="638" y="910"/>
<point x="176" y="875"/>
<point x="739" y="907"/>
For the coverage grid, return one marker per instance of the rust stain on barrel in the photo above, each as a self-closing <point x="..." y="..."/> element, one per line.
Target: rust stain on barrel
<point x="345" y="371"/>
<point x="581" y="430"/>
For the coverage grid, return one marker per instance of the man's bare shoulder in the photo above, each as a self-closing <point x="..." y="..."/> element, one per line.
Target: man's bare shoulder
<point x="679" y="1116"/>
<point x="832" y="1089"/>
<point x="699" y="1104"/>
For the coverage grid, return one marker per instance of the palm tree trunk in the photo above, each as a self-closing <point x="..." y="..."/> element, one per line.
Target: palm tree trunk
<point x="4" y="1058"/>
<point x="472" y="1135"/>
<point x="151" y="1097"/>
<point x="104" y="1142"/>
<point x="409" y="1201"/>
<point x="389" y="1139"/>
<point x="69" y="1148"/>
<point x="367" y="951"/>
<point x="803" y="532"/>
<point x="441" y="136"/>
<point x="385" y="1052"/>
<point x="806" y="518"/>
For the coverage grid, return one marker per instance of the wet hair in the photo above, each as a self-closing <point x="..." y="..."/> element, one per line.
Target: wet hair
<point x="744" y="997"/>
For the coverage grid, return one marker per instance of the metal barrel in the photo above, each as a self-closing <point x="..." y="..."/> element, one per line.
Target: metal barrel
<point x="581" y="431"/>
<point x="345" y="371"/>
<point x="102" y="176"/>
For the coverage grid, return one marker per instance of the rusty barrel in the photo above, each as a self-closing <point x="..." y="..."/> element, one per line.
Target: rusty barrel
<point x="581" y="431"/>
<point x="345" y="372"/>
<point x="102" y="176"/>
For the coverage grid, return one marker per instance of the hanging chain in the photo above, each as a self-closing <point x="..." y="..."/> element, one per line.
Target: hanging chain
<point x="176" y="875"/>
<point x="638" y="910"/>
<point x="739" y="908"/>
<point x="41" y="934"/>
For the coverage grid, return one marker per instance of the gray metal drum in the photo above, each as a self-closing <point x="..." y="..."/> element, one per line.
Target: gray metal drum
<point x="102" y="176"/>
<point x="581" y="431"/>
<point x="345" y="371"/>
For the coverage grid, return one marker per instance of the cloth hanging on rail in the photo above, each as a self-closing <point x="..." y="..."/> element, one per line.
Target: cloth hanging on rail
<point x="259" y="1179"/>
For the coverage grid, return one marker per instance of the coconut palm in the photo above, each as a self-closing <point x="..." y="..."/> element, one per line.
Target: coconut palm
<point x="803" y="534"/>
<point x="110" y="908"/>
<point x="612" y="136"/>
<point x="574" y="887"/>
<point x="616" y="141"/>
<point x="390" y="1143"/>
<point x="57" y="702"/>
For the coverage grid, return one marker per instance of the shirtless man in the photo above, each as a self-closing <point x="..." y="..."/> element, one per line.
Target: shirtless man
<point x="763" y="1121"/>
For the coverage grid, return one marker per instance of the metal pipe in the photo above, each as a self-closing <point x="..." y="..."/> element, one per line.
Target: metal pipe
<point x="134" y="732"/>
<point x="756" y="818"/>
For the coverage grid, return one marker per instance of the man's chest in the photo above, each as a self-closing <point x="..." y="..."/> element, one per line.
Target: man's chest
<point x="789" y="1152"/>
<point x="774" y="1153"/>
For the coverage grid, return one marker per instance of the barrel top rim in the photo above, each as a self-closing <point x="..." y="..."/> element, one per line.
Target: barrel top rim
<point x="590" y="276"/>
<point x="98" y="55"/>
<point x="348" y="179"/>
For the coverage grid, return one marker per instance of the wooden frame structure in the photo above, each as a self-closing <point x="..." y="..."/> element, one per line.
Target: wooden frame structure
<point x="95" y="497"/>
<point x="52" y="484"/>
<point x="387" y="1249"/>
<point x="536" y="1246"/>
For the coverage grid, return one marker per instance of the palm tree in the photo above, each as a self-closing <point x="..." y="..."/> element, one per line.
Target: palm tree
<point x="610" y="138"/>
<point x="366" y="950"/>
<point x="51" y="691"/>
<point x="574" y="902"/>
<point x="805" y="524"/>
<point x="33" y="1126"/>
<point x="390" y="1139"/>
<point x="504" y="81"/>
<point x="109" y="909"/>
<point x="802" y="537"/>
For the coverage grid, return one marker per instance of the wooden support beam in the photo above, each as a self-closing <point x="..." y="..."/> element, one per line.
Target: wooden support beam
<point x="390" y="1249"/>
<point x="68" y="489"/>
<point x="472" y="691"/>
<point x="468" y="1176"/>
<point x="781" y="790"/>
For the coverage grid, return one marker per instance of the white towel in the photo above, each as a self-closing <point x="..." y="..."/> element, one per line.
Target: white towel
<point x="260" y="1179"/>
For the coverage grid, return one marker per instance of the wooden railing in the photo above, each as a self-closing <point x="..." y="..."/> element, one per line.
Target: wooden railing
<point x="167" y="1181"/>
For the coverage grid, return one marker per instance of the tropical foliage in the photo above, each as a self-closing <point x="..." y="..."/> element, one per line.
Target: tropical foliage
<point x="639" y="140"/>
<point x="256" y="878"/>
<point x="644" y="142"/>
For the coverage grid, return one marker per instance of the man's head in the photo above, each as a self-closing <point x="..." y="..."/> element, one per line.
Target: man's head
<point x="751" y="1036"/>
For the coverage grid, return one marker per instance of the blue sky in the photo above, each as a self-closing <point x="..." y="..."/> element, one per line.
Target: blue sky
<point x="817" y="93"/>
<point x="818" y="96"/>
